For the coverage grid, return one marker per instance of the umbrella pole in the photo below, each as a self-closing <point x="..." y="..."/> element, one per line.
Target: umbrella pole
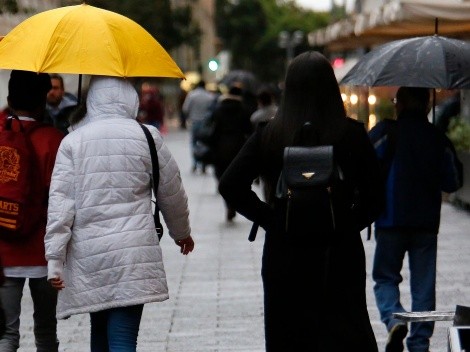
<point x="79" y="93"/>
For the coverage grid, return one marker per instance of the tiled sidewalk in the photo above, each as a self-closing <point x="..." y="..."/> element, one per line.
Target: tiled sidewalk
<point x="216" y="302"/>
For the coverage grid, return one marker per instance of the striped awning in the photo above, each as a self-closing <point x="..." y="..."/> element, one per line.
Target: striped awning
<point x="395" y="20"/>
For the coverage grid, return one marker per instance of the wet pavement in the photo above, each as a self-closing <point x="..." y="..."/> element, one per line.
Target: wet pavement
<point x="216" y="298"/>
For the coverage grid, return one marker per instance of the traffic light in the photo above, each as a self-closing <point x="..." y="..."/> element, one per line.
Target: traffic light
<point x="213" y="65"/>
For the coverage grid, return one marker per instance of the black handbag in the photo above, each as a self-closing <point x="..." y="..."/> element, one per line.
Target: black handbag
<point x="155" y="178"/>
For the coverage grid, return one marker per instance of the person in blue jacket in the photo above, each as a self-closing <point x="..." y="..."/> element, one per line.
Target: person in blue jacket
<point x="418" y="163"/>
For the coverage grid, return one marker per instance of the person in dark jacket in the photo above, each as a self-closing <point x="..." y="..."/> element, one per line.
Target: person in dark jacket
<point x="231" y="128"/>
<point x="266" y="108"/>
<point x="314" y="288"/>
<point x="421" y="163"/>
<point x="60" y="104"/>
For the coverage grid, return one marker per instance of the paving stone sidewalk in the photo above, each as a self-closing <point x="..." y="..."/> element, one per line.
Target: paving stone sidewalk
<point x="216" y="302"/>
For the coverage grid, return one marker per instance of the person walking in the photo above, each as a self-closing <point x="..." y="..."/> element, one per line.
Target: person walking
<point x="196" y="107"/>
<point x="151" y="108"/>
<point x="447" y="110"/>
<point x="419" y="163"/>
<point x="182" y="93"/>
<point x="310" y="303"/>
<point x="266" y="108"/>
<point x="102" y="248"/>
<point x="24" y="259"/>
<point x="231" y="128"/>
<point x="60" y="104"/>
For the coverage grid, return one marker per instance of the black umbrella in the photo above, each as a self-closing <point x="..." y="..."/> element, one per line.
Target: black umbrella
<point x="246" y="78"/>
<point x="428" y="62"/>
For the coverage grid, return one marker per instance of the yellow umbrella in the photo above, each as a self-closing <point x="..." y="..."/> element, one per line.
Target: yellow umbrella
<point x="84" y="39"/>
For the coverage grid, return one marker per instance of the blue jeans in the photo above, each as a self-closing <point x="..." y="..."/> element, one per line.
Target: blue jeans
<point x="116" y="329"/>
<point x="388" y="262"/>
<point x="45" y="323"/>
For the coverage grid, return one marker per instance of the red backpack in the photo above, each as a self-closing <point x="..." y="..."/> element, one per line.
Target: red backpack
<point x="20" y="195"/>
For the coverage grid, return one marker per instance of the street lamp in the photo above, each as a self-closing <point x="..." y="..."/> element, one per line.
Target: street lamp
<point x="289" y="41"/>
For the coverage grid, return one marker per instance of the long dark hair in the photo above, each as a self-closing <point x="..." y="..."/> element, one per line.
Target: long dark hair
<point x="311" y="94"/>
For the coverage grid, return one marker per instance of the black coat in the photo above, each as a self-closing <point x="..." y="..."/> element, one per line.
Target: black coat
<point x="314" y="293"/>
<point x="232" y="126"/>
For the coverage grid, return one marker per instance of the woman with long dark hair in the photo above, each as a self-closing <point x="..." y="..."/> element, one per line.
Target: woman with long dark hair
<point x="314" y="283"/>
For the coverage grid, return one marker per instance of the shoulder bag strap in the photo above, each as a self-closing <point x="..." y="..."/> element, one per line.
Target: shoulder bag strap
<point x="155" y="177"/>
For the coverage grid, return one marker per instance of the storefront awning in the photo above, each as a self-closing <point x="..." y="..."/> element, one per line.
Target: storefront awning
<point x="394" y="20"/>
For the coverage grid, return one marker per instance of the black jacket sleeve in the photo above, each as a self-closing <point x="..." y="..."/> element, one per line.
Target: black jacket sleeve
<point x="235" y="185"/>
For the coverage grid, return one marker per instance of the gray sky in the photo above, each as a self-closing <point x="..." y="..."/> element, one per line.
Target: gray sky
<point x="321" y="5"/>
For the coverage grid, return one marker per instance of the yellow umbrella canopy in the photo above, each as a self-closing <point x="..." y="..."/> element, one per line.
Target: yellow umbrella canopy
<point x="84" y="39"/>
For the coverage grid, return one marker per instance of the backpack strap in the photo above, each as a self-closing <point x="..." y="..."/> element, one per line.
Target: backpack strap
<point x="155" y="178"/>
<point x="9" y="123"/>
<point x="29" y="130"/>
<point x="253" y="232"/>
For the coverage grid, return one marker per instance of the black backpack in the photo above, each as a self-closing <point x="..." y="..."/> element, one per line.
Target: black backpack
<point x="314" y="190"/>
<point x="309" y="183"/>
<point x="318" y="199"/>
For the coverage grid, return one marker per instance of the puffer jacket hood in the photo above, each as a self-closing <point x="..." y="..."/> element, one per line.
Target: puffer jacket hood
<point x="109" y="97"/>
<point x="100" y="235"/>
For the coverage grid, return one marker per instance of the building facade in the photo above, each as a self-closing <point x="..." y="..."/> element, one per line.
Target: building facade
<point x="26" y="8"/>
<point x="196" y="59"/>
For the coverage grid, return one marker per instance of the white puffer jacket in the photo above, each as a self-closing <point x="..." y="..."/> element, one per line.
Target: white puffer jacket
<point x="101" y="235"/>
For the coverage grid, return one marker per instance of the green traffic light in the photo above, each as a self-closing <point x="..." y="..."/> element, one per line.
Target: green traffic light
<point x="213" y="65"/>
